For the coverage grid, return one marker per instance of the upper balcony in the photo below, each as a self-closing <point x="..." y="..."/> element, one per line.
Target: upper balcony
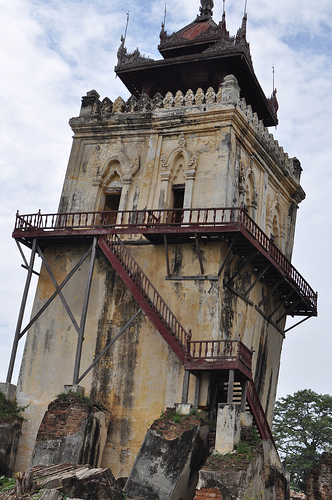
<point x="232" y="225"/>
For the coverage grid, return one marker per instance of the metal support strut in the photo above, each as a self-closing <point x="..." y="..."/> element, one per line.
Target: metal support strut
<point x="21" y="313"/>
<point x="84" y="314"/>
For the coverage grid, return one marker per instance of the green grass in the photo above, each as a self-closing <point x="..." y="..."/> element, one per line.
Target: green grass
<point x="66" y="397"/>
<point x="7" y="483"/>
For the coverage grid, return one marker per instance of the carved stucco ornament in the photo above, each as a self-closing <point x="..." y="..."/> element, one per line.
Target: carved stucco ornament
<point x="167" y="163"/>
<point x="101" y="158"/>
<point x="242" y="179"/>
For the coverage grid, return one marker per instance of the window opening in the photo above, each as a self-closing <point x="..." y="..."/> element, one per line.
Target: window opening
<point x="112" y="202"/>
<point x="178" y="200"/>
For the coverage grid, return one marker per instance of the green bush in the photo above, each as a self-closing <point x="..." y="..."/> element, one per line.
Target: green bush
<point x="7" y="483"/>
<point x="10" y="410"/>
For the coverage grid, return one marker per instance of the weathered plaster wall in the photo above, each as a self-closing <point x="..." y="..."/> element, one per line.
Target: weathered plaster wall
<point x="224" y="156"/>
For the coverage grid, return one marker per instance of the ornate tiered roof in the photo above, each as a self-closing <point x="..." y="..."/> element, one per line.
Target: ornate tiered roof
<point x="199" y="55"/>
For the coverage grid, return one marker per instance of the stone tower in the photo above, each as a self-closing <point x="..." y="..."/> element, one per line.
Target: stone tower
<point x="166" y="272"/>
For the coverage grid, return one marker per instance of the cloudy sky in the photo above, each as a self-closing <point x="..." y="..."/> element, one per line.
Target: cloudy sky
<point x="53" y="52"/>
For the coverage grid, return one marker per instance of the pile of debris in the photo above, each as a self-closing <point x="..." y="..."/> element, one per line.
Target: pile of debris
<point x="54" y="482"/>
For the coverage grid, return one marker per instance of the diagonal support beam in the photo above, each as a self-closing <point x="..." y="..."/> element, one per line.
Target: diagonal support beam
<point x="273" y="289"/>
<point x="48" y="302"/>
<point x="84" y="314"/>
<point x="25" y="265"/>
<point x="21" y="313"/>
<point x="230" y="248"/>
<point x="297" y="324"/>
<point x="109" y="345"/>
<point x="261" y="274"/>
<point x="247" y="261"/>
<point x="281" y="304"/>
<point x="289" y="310"/>
<point x="56" y="286"/>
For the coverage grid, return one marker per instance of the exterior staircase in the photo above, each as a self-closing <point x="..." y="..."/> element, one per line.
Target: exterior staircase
<point x="253" y="405"/>
<point x="145" y="293"/>
<point x="165" y="321"/>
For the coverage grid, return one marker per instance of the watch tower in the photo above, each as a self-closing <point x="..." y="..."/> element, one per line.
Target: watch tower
<point x="166" y="272"/>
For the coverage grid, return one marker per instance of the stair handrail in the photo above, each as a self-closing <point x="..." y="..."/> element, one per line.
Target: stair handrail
<point x="146" y="288"/>
<point x="258" y="412"/>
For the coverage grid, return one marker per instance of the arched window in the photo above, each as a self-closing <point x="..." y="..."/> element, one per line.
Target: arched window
<point x="112" y="196"/>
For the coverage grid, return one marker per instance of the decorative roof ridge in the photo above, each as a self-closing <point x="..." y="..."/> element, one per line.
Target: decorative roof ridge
<point x="127" y="58"/>
<point x="205" y="10"/>
<point x="228" y="94"/>
<point x="214" y="30"/>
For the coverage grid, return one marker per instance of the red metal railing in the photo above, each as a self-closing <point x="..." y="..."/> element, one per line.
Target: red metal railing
<point x="195" y="217"/>
<point x="258" y="412"/>
<point x="228" y="350"/>
<point x="146" y="288"/>
<point x="127" y="218"/>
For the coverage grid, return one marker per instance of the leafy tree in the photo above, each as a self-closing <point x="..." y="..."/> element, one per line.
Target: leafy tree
<point x="302" y="429"/>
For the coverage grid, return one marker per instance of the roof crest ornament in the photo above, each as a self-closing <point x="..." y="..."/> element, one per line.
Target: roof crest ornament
<point x="223" y="21"/>
<point x="206" y="9"/>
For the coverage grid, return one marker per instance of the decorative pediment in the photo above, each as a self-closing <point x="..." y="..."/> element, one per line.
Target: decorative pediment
<point x="107" y="159"/>
<point x="167" y="163"/>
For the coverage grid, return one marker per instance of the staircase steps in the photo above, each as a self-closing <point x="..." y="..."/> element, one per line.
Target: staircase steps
<point x="144" y="293"/>
<point x="253" y="406"/>
<point x="165" y="321"/>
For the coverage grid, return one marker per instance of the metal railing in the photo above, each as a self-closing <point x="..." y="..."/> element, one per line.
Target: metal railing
<point x="177" y="218"/>
<point x="258" y="412"/>
<point x="146" y="288"/>
<point x="126" y="218"/>
<point x="228" y="350"/>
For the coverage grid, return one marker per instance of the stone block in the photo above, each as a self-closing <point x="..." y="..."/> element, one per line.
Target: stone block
<point x="9" y="390"/>
<point x="76" y="389"/>
<point x="70" y="481"/>
<point x="168" y="469"/>
<point x="228" y="427"/>
<point x="258" y="478"/>
<point x="183" y="408"/>
<point x="71" y="431"/>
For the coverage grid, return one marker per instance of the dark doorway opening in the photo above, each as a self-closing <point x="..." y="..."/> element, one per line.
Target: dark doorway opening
<point x="112" y="202"/>
<point x="178" y="200"/>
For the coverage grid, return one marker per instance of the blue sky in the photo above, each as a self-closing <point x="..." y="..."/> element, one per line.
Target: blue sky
<point x="53" y="52"/>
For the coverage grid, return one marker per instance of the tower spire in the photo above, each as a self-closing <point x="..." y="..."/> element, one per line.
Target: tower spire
<point x="223" y="21"/>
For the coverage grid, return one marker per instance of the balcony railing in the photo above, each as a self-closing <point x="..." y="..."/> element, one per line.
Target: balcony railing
<point x="213" y="350"/>
<point x="195" y="219"/>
